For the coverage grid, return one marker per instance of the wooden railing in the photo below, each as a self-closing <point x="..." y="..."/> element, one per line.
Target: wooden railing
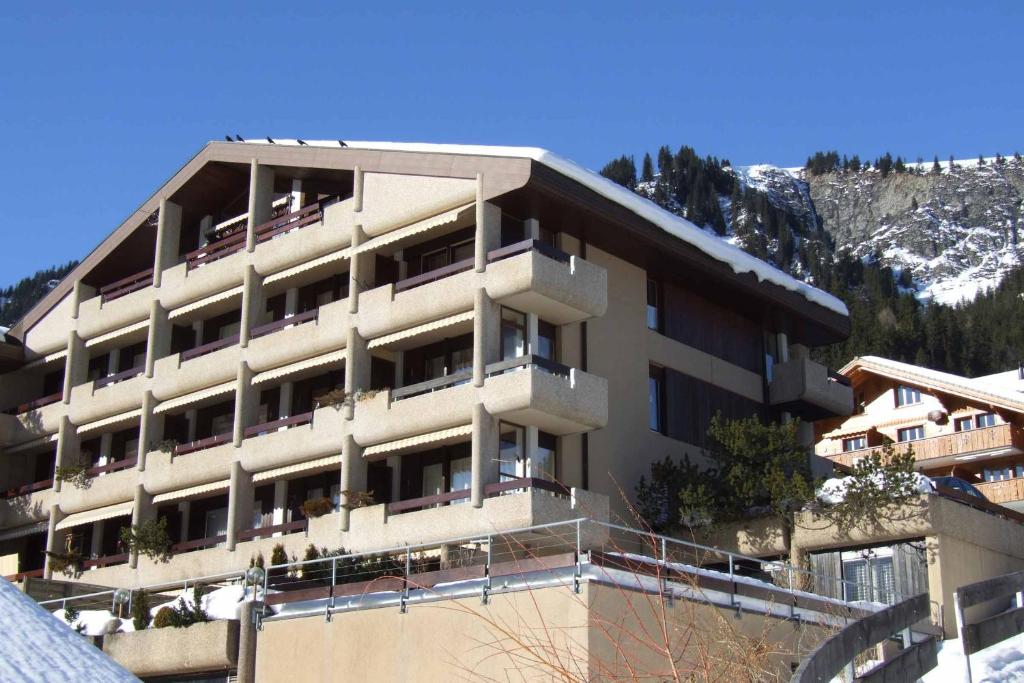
<point x="284" y="422"/>
<point x="30" y="574"/>
<point x="979" y="503"/>
<point x="118" y="377"/>
<point x="436" y="274"/>
<point x="111" y="467"/>
<point x="198" y="544"/>
<point x="210" y="347"/>
<point x="28" y="488"/>
<point x="36" y="404"/>
<point x="105" y="561"/>
<point x="268" y="531"/>
<point x="1005" y="491"/>
<point x="432" y="385"/>
<point x="126" y="285"/>
<point x="522" y="484"/>
<point x="957" y="443"/>
<point x="270" y="328"/>
<point x="215" y="250"/>
<point x="202" y="444"/>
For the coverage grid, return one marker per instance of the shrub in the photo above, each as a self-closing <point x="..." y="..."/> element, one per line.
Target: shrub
<point x="140" y="611"/>
<point x="312" y="553"/>
<point x="257" y="560"/>
<point x="278" y="555"/>
<point x="181" y="614"/>
<point x="149" y="538"/>
<point x="71" y="614"/>
<point x="164" y="618"/>
<point x="358" y="499"/>
<point x="76" y="475"/>
<point x="335" y="398"/>
<point x="317" y="507"/>
<point x="69" y="563"/>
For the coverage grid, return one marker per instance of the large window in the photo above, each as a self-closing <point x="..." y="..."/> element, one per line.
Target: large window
<point x="907" y="396"/>
<point x="910" y="433"/>
<point x="656" y="399"/>
<point x="985" y="420"/>
<point x="855" y="443"/>
<point x="653" y="305"/>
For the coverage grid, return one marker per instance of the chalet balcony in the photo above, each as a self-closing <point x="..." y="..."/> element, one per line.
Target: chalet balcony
<point x="1003" y="492"/>
<point x="961" y="447"/>
<point x="808" y="390"/>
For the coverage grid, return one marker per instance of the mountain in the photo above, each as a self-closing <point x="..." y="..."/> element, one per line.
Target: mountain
<point x="17" y="299"/>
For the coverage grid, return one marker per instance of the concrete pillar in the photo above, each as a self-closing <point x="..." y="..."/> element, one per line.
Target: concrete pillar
<point x="240" y="503"/>
<point x="185" y="509"/>
<point x="532" y="229"/>
<point x="54" y="538"/>
<point x="197" y="329"/>
<point x="96" y="545"/>
<point x="158" y="337"/>
<point x="151" y="428"/>
<point x="353" y="476"/>
<point x="143" y="511"/>
<point x="399" y="369"/>
<point x="113" y="361"/>
<point x="252" y="304"/>
<point x="168" y="238"/>
<point x="484" y="453"/>
<point x="76" y="367"/>
<point x="280" y="502"/>
<point x="298" y="199"/>
<point x="80" y="293"/>
<point x="486" y="337"/>
<point x="357" y="189"/>
<point x="247" y="634"/>
<point x="357" y="368"/>
<point x="532" y="333"/>
<point x="291" y="302"/>
<point x="284" y="403"/>
<point x="532" y="437"/>
<point x="783" y="343"/>
<point x="488" y="228"/>
<point x="205" y="225"/>
<point x="247" y="403"/>
<point x="355" y="270"/>
<point x="67" y="448"/>
<point x="261" y="196"/>
<point x="798" y="352"/>
<point x="106" y="441"/>
<point x="395" y="463"/>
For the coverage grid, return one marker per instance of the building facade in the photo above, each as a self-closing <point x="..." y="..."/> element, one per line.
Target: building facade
<point x="972" y="429"/>
<point x="371" y="345"/>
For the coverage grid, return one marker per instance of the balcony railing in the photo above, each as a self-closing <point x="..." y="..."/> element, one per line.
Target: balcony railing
<point x="30" y="574"/>
<point x="276" y="425"/>
<point x="126" y="285"/>
<point x="118" y="377"/>
<point x="105" y="561"/>
<point x="958" y="443"/>
<point x="198" y="544"/>
<point x="28" y="488"/>
<point x="268" y="531"/>
<point x="202" y="444"/>
<point x="530" y="360"/>
<point x="270" y="328"/>
<point x="36" y="404"/>
<point x="210" y="347"/>
<point x="436" y="274"/>
<point x="525" y="246"/>
<point x="436" y="384"/>
<point x="1005" y="491"/>
<point x="522" y="484"/>
<point x="115" y="466"/>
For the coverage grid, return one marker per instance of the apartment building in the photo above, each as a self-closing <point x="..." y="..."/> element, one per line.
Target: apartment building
<point x="374" y="344"/>
<point x="972" y="429"/>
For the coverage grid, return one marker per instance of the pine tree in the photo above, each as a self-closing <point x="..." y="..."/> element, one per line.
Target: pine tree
<point x="621" y="171"/>
<point x="647" y="175"/>
<point x="936" y="168"/>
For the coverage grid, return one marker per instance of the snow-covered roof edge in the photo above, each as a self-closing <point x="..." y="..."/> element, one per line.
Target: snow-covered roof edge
<point x="737" y="259"/>
<point x="976" y="389"/>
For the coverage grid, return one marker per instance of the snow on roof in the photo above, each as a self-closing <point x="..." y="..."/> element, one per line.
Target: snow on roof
<point x="737" y="259"/>
<point x="979" y="389"/>
<point x="37" y="647"/>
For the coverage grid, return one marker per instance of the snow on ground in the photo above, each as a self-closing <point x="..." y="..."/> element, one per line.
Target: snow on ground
<point x="35" y="647"/>
<point x="1001" y="663"/>
<point x="833" y="491"/>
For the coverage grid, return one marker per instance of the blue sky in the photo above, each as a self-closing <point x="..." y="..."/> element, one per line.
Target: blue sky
<point x="102" y="102"/>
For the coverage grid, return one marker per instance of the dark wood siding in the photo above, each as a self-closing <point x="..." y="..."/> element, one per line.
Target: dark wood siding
<point x="695" y="321"/>
<point x="691" y="403"/>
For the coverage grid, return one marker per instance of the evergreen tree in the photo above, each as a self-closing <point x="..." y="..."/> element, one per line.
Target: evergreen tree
<point x="621" y="171"/>
<point x="647" y="175"/>
<point x="936" y="168"/>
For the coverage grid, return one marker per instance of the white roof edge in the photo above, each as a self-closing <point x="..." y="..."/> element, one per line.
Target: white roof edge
<point x="737" y="259"/>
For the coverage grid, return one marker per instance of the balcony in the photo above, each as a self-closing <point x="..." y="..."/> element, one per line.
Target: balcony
<point x="116" y="485"/>
<point x="292" y="440"/>
<point x="808" y="390"/>
<point x="534" y="277"/>
<point x="125" y="286"/>
<point x="1006" y="491"/>
<point x="293" y="245"/>
<point x="104" y="313"/>
<point x="107" y="396"/>
<point x="961" y="447"/>
<point x="301" y="336"/>
<point x="35" y="405"/>
<point x="26" y="504"/>
<point x="176" y="375"/>
<point x="167" y="471"/>
<point x="31" y="421"/>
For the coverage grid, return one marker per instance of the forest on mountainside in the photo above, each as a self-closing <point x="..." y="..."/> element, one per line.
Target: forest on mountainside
<point x="17" y="299"/>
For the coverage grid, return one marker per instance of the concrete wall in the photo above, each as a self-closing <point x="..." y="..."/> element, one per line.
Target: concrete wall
<point x="205" y="647"/>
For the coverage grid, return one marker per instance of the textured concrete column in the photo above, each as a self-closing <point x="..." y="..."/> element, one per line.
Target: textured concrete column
<point x="205" y="225"/>
<point x="76" y="366"/>
<point x="291" y="302"/>
<point x="158" y="337"/>
<point x="261" y="196"/>
<point x="168" y="237"/>
<point x="142" y="511"/>
<point x="532" y="229"/>
<point x="96" y="544"/>
<point x="783" y="343"/>
<point x="355" y="270"/>
<point x="488" y="229"/>
<point x="284" y="402"/>
<point x="532" y="437"/>
<point x="484" y="453"/>
<point x="247" y="403"/>
<point x="151" y="428"/>
<point x="240" y="503"/>
<point x="54" y="539"/>
<point x="80" y="293"/>
<point x="486" y="337"/>
<point x="357" y="369"/>
<point x="106" y="441"/>
<point x="353" y="476"/>
<point x="247" y="634"/>
<point x="113" y="361"/>
<point x="357" y="189"/>
<point x="67" y="447"/>
<point x="252" y="304"/>
<point x="280" y="502"/>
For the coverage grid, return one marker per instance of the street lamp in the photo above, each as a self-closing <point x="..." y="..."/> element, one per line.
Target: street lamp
<point x="122" y="596"/>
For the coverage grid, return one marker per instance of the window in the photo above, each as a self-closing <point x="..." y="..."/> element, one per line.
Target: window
<point x="1019" y="471"/>
<point x="907" y="396"/>
<point x="868" y="575"/>
<point x="985" y="420"/>
<point x="511" y="451"/>
<point x="855" y="443"/>
<point x="546" y="341"/>
<point x="998" y="473"/>
<point x="653" y="305"/>
<point x="656" y="399"/>
<point x="544" y="464"/>
<point x="513" y="334"/>
<point x="461" y="475"/>
<point x="910" y="433"/>
<point x="963" y="424"/>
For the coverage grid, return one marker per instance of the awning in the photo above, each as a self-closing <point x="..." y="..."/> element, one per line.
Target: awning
<point x="308" y="265"/>
<point x="195" y="397"/>
<point x="203" y="303"/>
<point x="97" y="515"/>
<point x="410" y="230"/>
<point x="27" y="530"/>
<point x="329" y="461"/>
<point x="392" y="447"/>
<point x="141" y="325"/>
<point x="107" y="421"/>
<point x="29" y="445"/>
<point x="420" y="329"/>
<point x="285" y="370"/>
<point x="181" y="494"/>
<point x="48" y="358"/>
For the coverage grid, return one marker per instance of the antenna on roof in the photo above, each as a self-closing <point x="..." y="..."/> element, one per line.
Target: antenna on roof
<point x="301" y="142"/>
<point x="342" y="143"/>
<point x="239" y="138"/>
<point x="270" y="141"/>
